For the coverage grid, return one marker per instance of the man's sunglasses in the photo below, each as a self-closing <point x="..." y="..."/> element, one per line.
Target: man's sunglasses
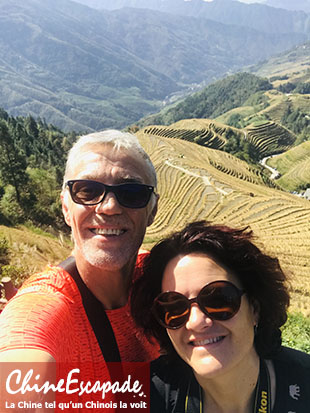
<point x="129" y="195"/>
<point x="219" y="300"/>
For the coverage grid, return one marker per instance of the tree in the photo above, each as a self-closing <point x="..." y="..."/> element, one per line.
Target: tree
<point x="31" y="127"/>
<point x="12" y="162"/>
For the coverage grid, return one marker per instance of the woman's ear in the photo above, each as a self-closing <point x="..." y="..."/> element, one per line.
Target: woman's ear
<point x="256" y="310"/>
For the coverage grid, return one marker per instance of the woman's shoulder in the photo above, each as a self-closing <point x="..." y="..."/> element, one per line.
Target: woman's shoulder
<point x="170" y="378"/>
<point x="169" y="375"/>
<point x="293" y="358"/>
<point x="168" y="369"/>
<point x="292" y="368"/>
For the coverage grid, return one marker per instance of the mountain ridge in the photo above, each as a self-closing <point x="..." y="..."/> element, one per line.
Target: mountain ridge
<point x="261" y="16"/>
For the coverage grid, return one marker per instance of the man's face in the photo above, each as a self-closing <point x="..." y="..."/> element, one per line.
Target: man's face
<point x="108" y="235"/>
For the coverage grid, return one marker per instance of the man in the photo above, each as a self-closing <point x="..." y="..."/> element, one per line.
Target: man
<point x="108" y="200"/>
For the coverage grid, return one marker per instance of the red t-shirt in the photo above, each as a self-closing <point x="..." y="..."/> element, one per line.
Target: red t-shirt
<point x="47" y="314"/>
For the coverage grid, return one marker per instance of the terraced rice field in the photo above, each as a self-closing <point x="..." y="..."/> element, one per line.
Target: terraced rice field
<point x="270" y="138"/>
<point x="207" y="137"/>
<point x="294" y="166"/>
<point x="193" y="187"/>
<point x="278" y="107"/>
<point x="202" y="131"/>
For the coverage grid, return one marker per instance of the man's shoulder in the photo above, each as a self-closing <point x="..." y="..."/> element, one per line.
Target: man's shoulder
<point x="38" y="315"/>
<point x="51" y="279"/>
<point x="50" y="289"/>
<point x="142" y="254"/>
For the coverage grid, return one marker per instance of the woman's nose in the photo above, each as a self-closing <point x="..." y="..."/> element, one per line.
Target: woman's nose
<point x="197" y="319"/>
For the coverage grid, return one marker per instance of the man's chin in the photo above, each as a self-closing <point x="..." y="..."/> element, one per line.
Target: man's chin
<point x="112" y="260"/>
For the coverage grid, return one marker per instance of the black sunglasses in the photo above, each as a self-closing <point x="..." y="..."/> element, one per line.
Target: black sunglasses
<point x="129" y="195"/>
<point x="219" y="300"/>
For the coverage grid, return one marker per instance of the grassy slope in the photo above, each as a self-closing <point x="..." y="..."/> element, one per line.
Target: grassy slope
<point x="31" y="250"/>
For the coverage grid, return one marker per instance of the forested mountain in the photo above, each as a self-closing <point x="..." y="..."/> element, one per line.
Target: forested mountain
<point x="84" y="69"/>
<point x="32" y="159"/>
<point x="212" y="101"/>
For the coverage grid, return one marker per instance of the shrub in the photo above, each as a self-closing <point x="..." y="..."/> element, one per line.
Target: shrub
<point x="10" y="208"/>
<point x="4" y="250"/>
<point x="296" y="332"/>
<point x="17" y="274"/>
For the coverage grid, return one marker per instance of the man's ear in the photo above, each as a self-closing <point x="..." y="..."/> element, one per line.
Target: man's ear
<point x="65" y="208"/>
<point x="153" y="213"/>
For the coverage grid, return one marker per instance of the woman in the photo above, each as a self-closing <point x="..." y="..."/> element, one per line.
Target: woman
<point x="215" y="303"/>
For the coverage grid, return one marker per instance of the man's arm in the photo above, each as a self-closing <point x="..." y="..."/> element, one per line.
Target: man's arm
<point x="26" y="355"/>
<point x="22" y="370"/>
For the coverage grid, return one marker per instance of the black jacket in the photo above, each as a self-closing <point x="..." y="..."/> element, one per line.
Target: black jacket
<point x="170" y="381"/>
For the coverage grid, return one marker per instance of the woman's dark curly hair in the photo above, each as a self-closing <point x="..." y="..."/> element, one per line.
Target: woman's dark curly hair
<point x="260" y="275"/>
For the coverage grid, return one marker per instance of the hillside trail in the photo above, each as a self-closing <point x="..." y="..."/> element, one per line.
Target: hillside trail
<point x="206" y="180"/>
<point x="274" y="173"/>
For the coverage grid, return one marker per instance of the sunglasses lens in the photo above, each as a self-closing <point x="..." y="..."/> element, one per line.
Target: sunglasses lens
<point x="220" y="300"/>
<point x="133" y="195"/>
<point x="87" y="192"/>
<point x="171" y="309"/>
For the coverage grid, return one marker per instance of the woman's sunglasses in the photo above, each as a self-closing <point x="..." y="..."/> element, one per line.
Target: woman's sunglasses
<point x="129" y="195"/>
<point x="219" y="300"/>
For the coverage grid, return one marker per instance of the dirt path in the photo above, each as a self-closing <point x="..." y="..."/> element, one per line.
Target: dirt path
<point x="206" y="180"/>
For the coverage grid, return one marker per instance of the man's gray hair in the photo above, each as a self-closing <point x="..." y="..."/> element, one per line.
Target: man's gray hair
<point x="119" y="140"/>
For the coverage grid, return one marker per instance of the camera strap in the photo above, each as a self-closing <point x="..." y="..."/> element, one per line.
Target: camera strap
<point x="262" y="401"/>
<point x="96" y="314"/>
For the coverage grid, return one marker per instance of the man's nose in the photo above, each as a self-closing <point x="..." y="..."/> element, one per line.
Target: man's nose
<point x="109" y="205"/>
<point x="197" y="319"/>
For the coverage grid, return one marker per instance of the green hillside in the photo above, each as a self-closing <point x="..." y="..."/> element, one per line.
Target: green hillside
<point x="214" y="100"/>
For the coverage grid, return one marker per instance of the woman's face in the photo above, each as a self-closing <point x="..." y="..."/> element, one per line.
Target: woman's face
<point x="210" y="347"/>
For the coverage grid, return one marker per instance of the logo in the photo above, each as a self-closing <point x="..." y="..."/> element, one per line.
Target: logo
<point x="263" y="402"/>
<point x="294" y="390"/>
